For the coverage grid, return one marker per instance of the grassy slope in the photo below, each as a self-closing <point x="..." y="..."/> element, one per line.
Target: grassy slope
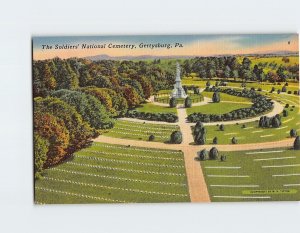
<point x="148" y="107"/>
<point x="157" y="161"/>
<point x="140" y="131"/>
<point x="217" y="108"/>
<point x="258" y="175"/>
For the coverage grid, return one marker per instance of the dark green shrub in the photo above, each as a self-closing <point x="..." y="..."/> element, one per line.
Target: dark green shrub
<point x="176" y="137"/>
<point x="187" y="102"/>
<point x="208" y="84"/>
<point x="283" y="89"/>
<point x="289" y="92"/>
<point x="243" y="126"/>
<point x="297" y="143"/>
<point x="151" y="137"/>
<point x="222" y="128"/>
<point x="287" y="105"/>
<point x="223" y="158"/>
<point x="173" y="102"/>
<point x="293" y="133"/>
<point x="215" y="140"/>
<point x="216" y="97"/>
<point x="213" y="153"/>
<point x="203" y="154"/>
<point x="259" y="89"/>
<point x="285" y="113"/>
<point x="234" y="140"/>
<point x="278" y="91"/>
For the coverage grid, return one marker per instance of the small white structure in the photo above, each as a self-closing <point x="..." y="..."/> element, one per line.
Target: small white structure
<point x="178" y="91"/>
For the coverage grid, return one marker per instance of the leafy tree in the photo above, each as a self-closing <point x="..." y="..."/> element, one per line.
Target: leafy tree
<point x="188" y="102"/>
<point x="213" y="153"/>
<point x="173" y="102"/>
<point x="101" y="81"/>
<point x="41" y="147"/>
<point x="176" y="137"/>
<point x="297" y="143"/>
<point x="48" y="128"/>
<point x="79" y="131"/>
<point x="132" y="97"/>
<point x="90" y="108"/>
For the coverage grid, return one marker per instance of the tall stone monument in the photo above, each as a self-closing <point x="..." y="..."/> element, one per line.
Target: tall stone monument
<point x="178" y="91"/>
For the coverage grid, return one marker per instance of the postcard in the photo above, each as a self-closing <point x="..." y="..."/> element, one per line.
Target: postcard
<point x="166" y="118"/>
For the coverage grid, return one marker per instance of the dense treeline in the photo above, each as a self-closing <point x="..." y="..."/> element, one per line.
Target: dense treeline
<point x="231" y="67"/>
<point x="74" y="99"/>
<point x="260" y="105"/>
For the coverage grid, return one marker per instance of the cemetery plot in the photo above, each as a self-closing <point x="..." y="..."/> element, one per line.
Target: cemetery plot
<point x="141" y="131"/>
<point x="105" y="173"/>
<point x="269" y="175"/>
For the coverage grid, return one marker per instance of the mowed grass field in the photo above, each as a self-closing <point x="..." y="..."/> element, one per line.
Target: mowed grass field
<point x="152" y="108"/>
<point x="252" y="133"/>
<point x="217" y="108"/>
<point x="141" y="131"/>
<point x="105" y="173"/>
<point x="264" y="175"/>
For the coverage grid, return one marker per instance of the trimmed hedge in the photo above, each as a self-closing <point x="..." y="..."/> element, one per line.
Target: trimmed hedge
<point x="260" y="105"/>
<point x="167" y="117"/>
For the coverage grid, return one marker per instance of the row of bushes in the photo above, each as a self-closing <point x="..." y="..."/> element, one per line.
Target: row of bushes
<point x="270" y="122"/>
<point x="167" y="117"/>
<point x="260" y="105"/>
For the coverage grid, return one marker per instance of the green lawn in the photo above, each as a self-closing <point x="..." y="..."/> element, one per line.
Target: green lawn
<point x="217" y="108"/>
<point x="148" y="107"/>
<point x="253" y="171"/>
<point x="166" y="99"/>
<point x="227" y="97"/>
<point x="252" y="133"/>
<point x="105" y="173"/>
<point x="264" y="85"/>
<point x="140" y="131"/>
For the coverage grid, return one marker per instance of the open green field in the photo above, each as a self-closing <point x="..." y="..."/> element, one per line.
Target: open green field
<point x="105" y="173"/>
<point x="217" y="108"/>
<point x="227" y="97"/>
<point x="264" y="85"/>
<point x="140" y="131"/>
<point x="264" y="175"/>
<point x="252" y="133"/>
<point x="148" y="107"/>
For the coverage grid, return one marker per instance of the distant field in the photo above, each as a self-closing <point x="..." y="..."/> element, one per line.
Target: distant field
<point x="264" y="85"/>
<point x="264" y="175"/>
<point x="105" y="173"/>
<point x="139" y="131"/>
<point x="148" y="107"/>
<point x="217" y="108"/>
